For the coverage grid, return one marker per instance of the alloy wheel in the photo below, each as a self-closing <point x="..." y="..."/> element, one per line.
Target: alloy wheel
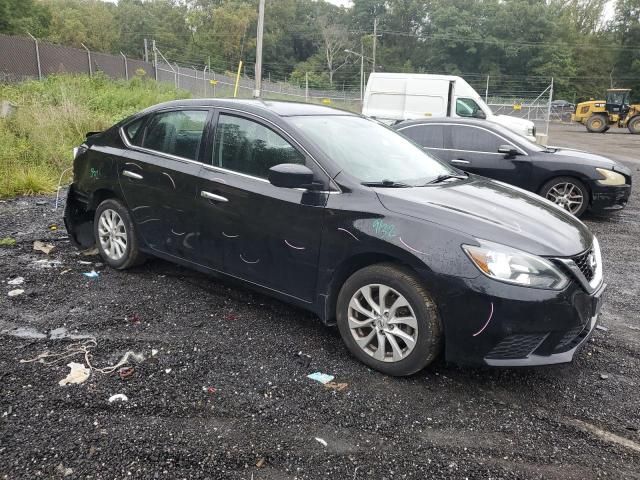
<point x="382" y="323"/>
<point x="567" y="195"/>
<point x="112" y="234"/>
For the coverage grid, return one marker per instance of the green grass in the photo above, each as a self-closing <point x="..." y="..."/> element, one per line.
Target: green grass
<point x="54" y="115"/>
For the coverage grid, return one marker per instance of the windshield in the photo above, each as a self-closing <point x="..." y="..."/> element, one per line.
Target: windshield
<point x="369" y="151"/>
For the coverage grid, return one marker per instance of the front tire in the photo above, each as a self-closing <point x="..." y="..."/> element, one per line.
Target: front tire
<point x="115" y="235"/>
<point x="568" y="193"/>
<point x="634" y="125"/>
<point x="388" y="320"/>
<point x="597" y="123"/>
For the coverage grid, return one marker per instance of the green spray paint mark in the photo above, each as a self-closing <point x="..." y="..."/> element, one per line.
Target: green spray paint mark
<point x="383" y="229"/>
<point x="94" y="173"/>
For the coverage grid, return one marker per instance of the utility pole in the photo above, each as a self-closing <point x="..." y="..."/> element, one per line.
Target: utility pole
<point x="146" y="51"/>
<point x="256" y="92"/>
<point x="375" y="40"/>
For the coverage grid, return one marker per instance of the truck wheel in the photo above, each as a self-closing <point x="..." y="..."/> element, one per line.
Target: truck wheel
<point x="115" y="235"/>
<point x="597" y="123"/>
<point x="634" y="124"/>
<point x="388" y="320"/>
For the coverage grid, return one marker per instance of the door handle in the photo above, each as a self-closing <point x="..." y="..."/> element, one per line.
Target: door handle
<point x="130" y="174"/>
<point x="213" y="196"/>
<point x="461" y="162"/>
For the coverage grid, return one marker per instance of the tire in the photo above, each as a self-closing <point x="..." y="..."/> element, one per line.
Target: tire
<point x="562" y="190"/>
<point x="112" y="226"/>
<point x="634" y="125"/>
<point x="407" y="356"/>
<point x="597" y="123"/>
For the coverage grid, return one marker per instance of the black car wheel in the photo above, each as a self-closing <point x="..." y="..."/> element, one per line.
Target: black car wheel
<point x="597" y="123"/>
<point x="568" y="193"/>
<point x="634" y="124"/>
<point x="388" y="320"/>
<point x="115" y="235"/>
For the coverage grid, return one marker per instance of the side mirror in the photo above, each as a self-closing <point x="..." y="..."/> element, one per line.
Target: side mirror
<point x="290" y="175"/>
<point x="508" y="150"/>
<point x="480" y="114"/>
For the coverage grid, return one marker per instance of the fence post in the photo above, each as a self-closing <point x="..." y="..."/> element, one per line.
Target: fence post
<point x="37" y="55"/>
<point x="126" y="68"/>
<point x="204" y="79"/>
<point x="155" y="59"/>
<point x="306" y="86"/>
<point x="176" y="73"/>
<point x="549" y="107"/>
<point x="89" y="57"/>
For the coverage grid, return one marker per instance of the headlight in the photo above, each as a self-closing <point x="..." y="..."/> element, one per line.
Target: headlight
<point x="509" y="265"/>
<point x="531" y="131"/>
<point x="609" y="177"/>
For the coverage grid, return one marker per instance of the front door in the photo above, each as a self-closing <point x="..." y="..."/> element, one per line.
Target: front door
<point x="159" y="178"/>
<point x="252" y="230"/>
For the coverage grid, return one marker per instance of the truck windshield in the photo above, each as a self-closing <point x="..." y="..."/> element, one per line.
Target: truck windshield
<point x="371" y="152"/>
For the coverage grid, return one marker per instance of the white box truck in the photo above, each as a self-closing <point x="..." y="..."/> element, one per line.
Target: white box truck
<point x="392" y="97"/>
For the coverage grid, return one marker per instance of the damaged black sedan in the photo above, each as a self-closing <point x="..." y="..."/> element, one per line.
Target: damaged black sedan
<point x="346" y="218"/>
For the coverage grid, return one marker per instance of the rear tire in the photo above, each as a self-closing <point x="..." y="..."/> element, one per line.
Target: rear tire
<point x="597" y="123"/>
<point x="634" y="125"/>
<point x="404" y="321"/>
<point x="115" y="235"/>
<point x="564" y="191"/>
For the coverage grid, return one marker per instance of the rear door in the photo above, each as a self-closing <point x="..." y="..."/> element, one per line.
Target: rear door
<point x="159" y="178"/>
<point x="260" y="233"/>
<point x="475" y="149"/>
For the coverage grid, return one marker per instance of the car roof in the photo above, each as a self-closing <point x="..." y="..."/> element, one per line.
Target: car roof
<point x="279" y="108"/>
<point x="450" y="120"/>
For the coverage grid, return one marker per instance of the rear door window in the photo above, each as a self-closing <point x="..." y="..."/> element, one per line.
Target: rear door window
<point x="177" y="132"/>
<point x="475" y="139"/>
<point x="429" y="136"/>
<point x="245" y="146"/>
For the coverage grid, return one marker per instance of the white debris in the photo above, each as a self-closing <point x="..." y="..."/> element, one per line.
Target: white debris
<point x="321" y="441"/>
<point x="118" y="396"/>
<point x="154" y="352"/>
<point x="43" y="247"/>
<point x="16" y="292"/>
<point x="78" y="374"/>
<point x="16" y="281"/>
<point x="168" y="370"/>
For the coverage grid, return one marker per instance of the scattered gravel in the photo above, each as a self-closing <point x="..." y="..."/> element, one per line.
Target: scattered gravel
<point x="223" y="391"/>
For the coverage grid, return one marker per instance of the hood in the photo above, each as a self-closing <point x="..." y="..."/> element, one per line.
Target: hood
<point x="494" y="211"/>
<point x="591" y="159"/>
<point x="512" y="123"/>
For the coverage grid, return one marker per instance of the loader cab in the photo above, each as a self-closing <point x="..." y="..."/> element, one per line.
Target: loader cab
<point x="618" y="101"/>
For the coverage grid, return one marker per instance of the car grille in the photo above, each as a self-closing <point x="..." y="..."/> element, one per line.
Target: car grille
<point x="582" y="261"/>
<point x="516" y="346"/>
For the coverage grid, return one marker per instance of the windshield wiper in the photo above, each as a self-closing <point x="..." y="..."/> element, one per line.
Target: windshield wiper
<point x="447" y="176"/>
<point x="386" y="184"/>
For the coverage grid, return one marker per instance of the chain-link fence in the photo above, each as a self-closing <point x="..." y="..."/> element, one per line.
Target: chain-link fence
<point x="25" y="58"/>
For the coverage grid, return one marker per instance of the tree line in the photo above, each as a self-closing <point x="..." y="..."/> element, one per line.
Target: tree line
<point x="518" y="44"/>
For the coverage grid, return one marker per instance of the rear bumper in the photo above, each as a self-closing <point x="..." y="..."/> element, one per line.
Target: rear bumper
<point x="78" y="220"/>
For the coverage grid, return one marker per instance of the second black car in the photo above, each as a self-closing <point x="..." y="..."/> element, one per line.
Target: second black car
<point x="575" y="180"/>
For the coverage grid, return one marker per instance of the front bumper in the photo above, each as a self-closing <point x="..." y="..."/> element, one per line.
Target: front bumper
<point x="606" y="199"/>
<point x="487" y="322"/>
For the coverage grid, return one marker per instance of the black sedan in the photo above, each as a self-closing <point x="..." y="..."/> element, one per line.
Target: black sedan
<point x="342" y="216"/>
<point x="575" y="180"/>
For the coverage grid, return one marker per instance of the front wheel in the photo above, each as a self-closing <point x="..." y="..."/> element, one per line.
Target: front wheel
<point x="115" y="235"/>
<point x="597" y="123"/>
<point x="568" y="193"/>
<point x="388" y="320"/>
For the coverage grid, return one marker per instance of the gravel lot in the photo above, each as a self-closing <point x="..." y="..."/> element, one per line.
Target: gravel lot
<point x="226" y="396"/>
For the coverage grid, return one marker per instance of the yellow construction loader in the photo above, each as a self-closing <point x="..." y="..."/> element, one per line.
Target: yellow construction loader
<point x="599" y="115"/>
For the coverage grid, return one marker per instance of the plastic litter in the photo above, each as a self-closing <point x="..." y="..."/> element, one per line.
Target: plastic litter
<point x="118" y="396"/>
<point x="321" y="441"/>
<point x="16" y="292"/>
<point x="7" y="242"/>
<point x="168" y="370"/>
<point x="604" y="376"/>
<point x="126" y="372"/>
<point x="78" y="374"/>
<point x="46" y="263"/>
<point x="321" y="377"/>
<point x="602" y="327"/>
<point x="40" y="203"/>
<point x="45" y="248"/>
<point x="260" y="463"/>
<point x="16" y="281"/>
<point x="53" y="226"/>
<point x="154" y="352"/>
<point x="90" y="252"/>
<point x="91" y="274"/>
<point x="64" y="471"/>
<point x="303" y="359"/>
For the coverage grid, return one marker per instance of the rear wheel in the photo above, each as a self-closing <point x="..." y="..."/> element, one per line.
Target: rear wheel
<point x="597" y="123"/>
<point x="388" y="320"/>
<point x="568" y="193"/>
<point x="634" y="124"/>
<point x="115" y="235"/>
